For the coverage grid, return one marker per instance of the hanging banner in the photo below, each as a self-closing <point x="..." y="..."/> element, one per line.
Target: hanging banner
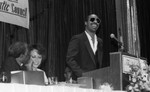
<point x="15" y="12"/>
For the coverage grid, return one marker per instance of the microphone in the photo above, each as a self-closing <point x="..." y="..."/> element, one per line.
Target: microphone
<point x="114" y="37"/>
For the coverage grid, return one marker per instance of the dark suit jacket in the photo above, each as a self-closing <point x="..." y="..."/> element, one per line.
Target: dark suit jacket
<point x="80" y="57"/>
<point x="11" y="65"/>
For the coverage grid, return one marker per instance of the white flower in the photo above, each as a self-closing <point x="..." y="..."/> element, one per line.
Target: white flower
<point x="106" y="87"/>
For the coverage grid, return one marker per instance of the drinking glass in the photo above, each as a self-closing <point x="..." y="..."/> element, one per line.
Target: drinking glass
<point x="3" y="77"/>
<point x="53" y="80"/>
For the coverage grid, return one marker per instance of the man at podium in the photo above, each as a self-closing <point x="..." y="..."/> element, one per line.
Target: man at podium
<point x="85" y="49"/>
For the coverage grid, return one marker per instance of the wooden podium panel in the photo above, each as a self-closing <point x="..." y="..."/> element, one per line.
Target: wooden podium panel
<point x="99" y="76"/>
<point x="113" y="74"/>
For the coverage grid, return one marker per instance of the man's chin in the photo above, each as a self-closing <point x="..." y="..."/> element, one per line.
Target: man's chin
<point x="93" y="31"/>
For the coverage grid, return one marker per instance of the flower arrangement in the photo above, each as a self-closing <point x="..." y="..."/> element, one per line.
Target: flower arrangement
<point x="139" y="78"/>
<point x="106" y="87"/>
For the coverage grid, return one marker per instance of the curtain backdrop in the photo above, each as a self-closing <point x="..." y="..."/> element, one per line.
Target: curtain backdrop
<point x="143" y="12"/>
<point x="54" y="22"/>
<point x="132" y="28"/>
<point x="127" y="26"/>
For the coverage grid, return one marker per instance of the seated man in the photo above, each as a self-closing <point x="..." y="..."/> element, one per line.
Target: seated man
<point x="17" y="57"/>
<point x="68" y="76"/>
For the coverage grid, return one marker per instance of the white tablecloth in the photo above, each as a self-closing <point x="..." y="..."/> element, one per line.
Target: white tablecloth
<point x="8" y="87"/>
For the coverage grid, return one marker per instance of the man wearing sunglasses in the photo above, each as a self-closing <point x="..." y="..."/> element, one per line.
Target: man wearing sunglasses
<point x="85" y="49"/>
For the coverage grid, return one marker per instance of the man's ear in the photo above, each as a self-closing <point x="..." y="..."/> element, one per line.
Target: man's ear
<point x="65" y="75"/>
<point x="21" y="55"/>
<point x="85" y="23"/>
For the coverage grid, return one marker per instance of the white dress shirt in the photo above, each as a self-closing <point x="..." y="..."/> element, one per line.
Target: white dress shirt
<point x="93" y="46"/>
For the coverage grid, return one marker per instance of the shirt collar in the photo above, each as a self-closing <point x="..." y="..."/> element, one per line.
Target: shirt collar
<point x="95" y="37"/>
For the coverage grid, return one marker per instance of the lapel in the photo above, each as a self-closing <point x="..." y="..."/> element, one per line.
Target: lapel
<point x="88" y="46"/>
<point x="99" y="46"/>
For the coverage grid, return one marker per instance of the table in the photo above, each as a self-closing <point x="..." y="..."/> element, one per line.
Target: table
<point x="9" y="87"/>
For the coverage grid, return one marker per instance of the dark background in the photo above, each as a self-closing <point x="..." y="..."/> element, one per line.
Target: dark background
<point x="143" y="12"/>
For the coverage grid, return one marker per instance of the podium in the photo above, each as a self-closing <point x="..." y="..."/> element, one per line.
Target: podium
<point x="116" y="73"/>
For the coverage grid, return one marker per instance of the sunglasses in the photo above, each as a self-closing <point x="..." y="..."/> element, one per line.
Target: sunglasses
<point x="93" y="19"/>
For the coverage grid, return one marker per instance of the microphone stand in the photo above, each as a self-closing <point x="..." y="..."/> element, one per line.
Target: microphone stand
<point x="120" y="44"/>
<point x="121" y="47"/>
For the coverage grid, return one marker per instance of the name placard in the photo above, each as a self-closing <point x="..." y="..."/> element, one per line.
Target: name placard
<point x="15" y="12"/>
